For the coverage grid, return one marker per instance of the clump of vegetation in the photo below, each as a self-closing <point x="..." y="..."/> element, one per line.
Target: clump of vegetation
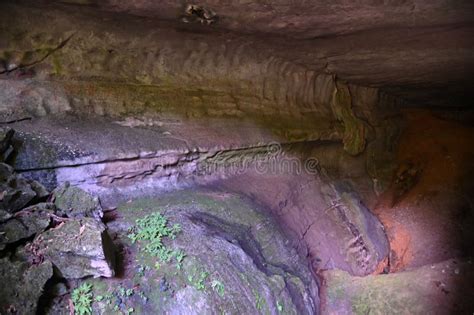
<point x="82" y="299"/>
<point x="179" y="259"/>
<point x="123" y="292"/>
<point x="279" y="307"/>
<point x="218" y="287"/>
<point x="258" y="300"/>
<point x="153" y="229"/>
<point x="199" y="280"/>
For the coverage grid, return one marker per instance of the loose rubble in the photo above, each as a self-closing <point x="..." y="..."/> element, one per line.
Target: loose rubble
<point x="40" y="230"/>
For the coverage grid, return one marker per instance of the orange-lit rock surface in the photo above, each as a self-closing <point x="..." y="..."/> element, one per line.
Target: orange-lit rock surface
<point x="427" y="216"/>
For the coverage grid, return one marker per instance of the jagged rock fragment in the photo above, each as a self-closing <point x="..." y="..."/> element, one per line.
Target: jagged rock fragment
<point x="17" y="192"/>
<point x="6" y="147"/>
<point x="197" y="13"/>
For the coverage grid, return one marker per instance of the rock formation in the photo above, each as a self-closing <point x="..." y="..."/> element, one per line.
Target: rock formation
<point x="248" y="157"/>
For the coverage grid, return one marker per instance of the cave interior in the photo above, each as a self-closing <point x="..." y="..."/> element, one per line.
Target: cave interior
<point x="236" y="157"/>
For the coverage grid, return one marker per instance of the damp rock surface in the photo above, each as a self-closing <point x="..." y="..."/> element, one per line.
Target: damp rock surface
<point x="31" y="221"/>
<point x="235" y="260"/>
<point x="431" y="289"/>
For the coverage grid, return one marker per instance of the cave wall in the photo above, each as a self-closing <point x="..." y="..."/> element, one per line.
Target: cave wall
<point x="74" y="59"/>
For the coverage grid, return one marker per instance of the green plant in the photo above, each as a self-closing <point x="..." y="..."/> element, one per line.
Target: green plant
<point x="179" y="258"/>
<point x="258" y="300"/>
<point x="121" y="291"/>
<point x="201" y="279"/>
<point x="82" y="299"/>
<point x="279" y="307"/>
<point x="153" y="229"/>
<point x="218" y="287"/>
<point x="198" y="281"/>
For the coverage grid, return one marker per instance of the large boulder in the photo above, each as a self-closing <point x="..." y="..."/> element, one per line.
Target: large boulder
<point x="74" y="202"/>
<point x="79" y="248"/>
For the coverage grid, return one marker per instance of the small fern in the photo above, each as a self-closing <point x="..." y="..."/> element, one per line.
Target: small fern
<point x="218" y="286"/>
<point x="82" y="299"/>
<point x="154" y="228"/>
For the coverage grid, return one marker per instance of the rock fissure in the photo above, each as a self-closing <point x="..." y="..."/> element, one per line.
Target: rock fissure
<point x="21" y="66"/>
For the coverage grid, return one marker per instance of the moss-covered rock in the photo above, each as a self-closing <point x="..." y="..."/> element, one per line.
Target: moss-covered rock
<point x="30" y="221"/>
<point x="79" y="248"/>
<point x="74" y="202"/>
<point x="22" y="285"/>
<point x="355" y="130"/>
<point x="236" y="261"/>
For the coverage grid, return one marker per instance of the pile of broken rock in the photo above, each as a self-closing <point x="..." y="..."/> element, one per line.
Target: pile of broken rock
<point x="46" y="237"/>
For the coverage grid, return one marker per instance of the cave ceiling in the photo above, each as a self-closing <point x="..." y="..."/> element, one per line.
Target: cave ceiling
<point x="421" y="51"/>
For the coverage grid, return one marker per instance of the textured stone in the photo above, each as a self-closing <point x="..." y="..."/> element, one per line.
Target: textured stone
<point x="355" y="131"/>
<point x="254" y="264"/>
<point x="407" y="62"/>
<point x="79" y="248"/>
<point x="432" y="289"/>
<point x="22" y="285"/>
<point x="74" y="202"/>
<point x="31" y="221"/>
<point x="16" y="192"/>
<point x="6" y="148"/>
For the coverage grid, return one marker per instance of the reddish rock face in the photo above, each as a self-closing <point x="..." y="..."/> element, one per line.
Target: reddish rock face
<point x="429" y="220"/>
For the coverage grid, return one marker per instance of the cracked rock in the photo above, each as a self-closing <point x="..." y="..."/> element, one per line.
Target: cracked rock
<point x="6" y="148"/>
